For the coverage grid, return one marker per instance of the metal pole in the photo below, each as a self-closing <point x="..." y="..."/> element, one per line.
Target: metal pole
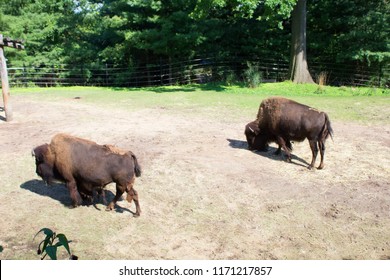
<point x="4" y="83"/>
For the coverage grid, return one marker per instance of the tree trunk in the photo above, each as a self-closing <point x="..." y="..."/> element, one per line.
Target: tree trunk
<point x="299" y="71"/>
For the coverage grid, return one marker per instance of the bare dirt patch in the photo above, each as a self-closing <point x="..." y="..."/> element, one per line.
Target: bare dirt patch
<point x="202" y="193"/>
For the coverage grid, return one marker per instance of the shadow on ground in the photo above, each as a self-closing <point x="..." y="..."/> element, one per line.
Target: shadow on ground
<point x="270" y="153"/>
<point x="59" y="192"/>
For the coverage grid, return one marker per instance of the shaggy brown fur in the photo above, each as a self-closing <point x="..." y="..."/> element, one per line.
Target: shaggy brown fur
<point x="282" y="120"/>
<point x="87" y="167"/>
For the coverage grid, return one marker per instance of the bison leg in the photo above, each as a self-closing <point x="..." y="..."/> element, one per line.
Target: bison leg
<point x="314" y="151"/>
<point x="100" y="194"/>
<point x="74" y="193"/>
<point x="282" y="144"/>
<point x="133" y="195"/>
<point x="119" y="191"/>
<point x="321" y="145"/>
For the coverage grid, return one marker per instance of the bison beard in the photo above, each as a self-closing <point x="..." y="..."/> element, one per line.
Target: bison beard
<point x="281" y="120"/>
<point x="86" y="168"/>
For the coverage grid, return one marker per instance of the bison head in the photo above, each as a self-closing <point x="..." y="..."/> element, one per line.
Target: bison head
<point x="43" y="164"/>
<point x="256" y="141"/>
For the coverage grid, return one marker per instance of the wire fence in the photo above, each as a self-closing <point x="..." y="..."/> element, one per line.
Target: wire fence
<point x="202" y="70"/>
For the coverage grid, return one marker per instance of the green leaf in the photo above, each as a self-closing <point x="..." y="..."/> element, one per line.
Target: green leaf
<point x="52" y="252"/>
<point x="48" y="232"/>
<point x="45" y="243"/>
<point x="64" y="241"/>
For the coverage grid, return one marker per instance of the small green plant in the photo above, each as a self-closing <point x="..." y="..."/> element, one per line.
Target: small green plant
<point x="252" y="75"/>
<point x="230" y="79"/>
<point x="320" y="90"/>
<point x="52" y="241"/>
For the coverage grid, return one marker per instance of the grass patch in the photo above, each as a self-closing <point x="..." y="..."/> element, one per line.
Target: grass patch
<point x="363" y="105"/>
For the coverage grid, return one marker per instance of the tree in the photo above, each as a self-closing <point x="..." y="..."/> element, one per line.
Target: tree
<point x="44" y="25"/>
<point x="129" y="33"/>
<point x="275" y="11"/>
<point x="345" y="31"/>
<point x="298" y="70"/>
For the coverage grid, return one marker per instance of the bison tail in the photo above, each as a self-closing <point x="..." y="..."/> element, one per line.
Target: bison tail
<point x="137" y="167"/>
<point x="327" y="130"/>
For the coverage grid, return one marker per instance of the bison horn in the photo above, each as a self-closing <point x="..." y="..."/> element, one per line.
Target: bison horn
<point x="32" y="153"/>
<point x="251" y="129"/>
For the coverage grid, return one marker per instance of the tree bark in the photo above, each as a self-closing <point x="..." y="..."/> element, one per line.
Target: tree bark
<point x="299" y="70"/>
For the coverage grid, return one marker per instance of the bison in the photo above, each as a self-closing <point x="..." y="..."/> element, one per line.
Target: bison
<point x="281" y="120"/>
<point x="86" y="168"/>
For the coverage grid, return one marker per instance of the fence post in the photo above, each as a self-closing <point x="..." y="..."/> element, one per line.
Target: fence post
<point x="161" y="73"/>
<point x="4" y="83"/>
<point x="24" y="75"/>
<point x="106" y="76"/>
<point x="380" y="75"/>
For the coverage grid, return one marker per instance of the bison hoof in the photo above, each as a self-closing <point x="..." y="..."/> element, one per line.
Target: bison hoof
<point x="136" y="215"/>
<point x="110" y="207"/>
<point x="320" y="167"/>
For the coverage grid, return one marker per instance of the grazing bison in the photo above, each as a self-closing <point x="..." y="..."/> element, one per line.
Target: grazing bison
<point x="281" y="120"/>
<point x="87" y="168"/>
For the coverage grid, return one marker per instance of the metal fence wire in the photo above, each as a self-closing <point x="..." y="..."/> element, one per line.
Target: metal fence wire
<point x="201" y="70"/>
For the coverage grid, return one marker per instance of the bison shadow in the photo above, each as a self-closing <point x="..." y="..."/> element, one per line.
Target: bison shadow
<point x="270" y="153"/>
<point x="59" y="192"/>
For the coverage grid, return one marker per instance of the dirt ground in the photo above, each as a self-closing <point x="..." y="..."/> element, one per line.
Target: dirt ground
<point x="203" y="195"/>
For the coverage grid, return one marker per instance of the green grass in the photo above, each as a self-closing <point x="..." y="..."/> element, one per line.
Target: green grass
<point x="363" y="105"/>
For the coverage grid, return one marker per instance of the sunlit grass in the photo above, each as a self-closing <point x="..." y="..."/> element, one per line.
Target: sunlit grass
<point x="363" y="105"/>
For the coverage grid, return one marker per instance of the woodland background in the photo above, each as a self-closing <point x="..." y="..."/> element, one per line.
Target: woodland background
<point x="104" y="42"/>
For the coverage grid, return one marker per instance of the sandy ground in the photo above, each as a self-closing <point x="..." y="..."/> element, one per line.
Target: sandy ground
<point x="203" y="195"/>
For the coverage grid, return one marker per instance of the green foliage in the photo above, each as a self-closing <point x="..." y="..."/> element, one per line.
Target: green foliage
<point x="52" y="241"/>
<point x="350" y="30"/>
<point x="130" y="33"/>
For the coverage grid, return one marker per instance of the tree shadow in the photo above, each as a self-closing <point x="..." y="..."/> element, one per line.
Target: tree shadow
<point x="59" y="192"/>
<point x="219" y="87"/>
<point x="270" y="153"/>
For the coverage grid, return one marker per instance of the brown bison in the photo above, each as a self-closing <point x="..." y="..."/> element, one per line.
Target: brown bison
<point x="281" y="120"/>
<point x="87" y="168"/>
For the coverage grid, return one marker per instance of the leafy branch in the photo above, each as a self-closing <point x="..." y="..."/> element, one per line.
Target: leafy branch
<point x="52" y="241"/>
